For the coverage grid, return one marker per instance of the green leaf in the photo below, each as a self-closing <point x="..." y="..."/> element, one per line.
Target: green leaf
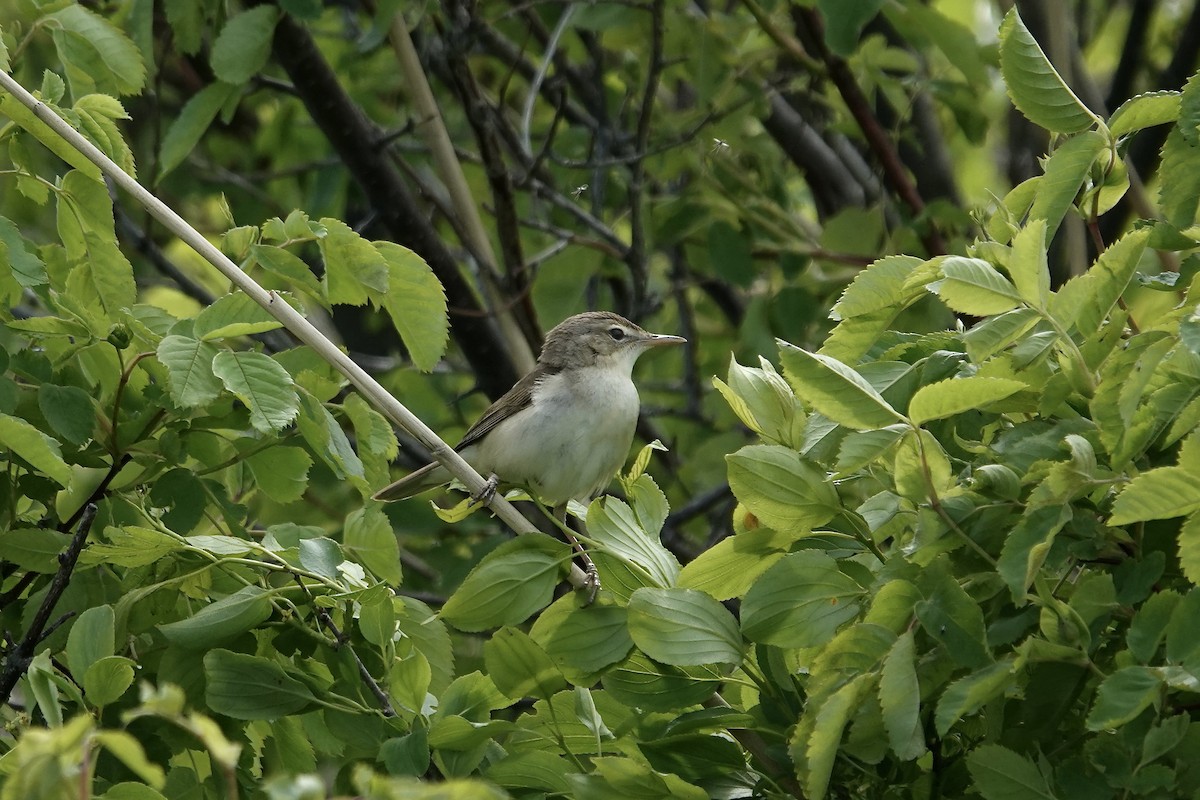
<point x="1001" y="774"/>
<point x="763" y="401"/>
<point x="321" y="555"/>
<point x="416" y="302"/>
<point x="234" y="314"/>
<point x="683" y="627"/>
<point x="957" y="395"/>
<point x="1101" y="286"/>
<point x="190" y="376"/>
<point x="92" y="637"/>
<point x="354" y="269"/>
<point x="1178" y="197"/>
<point x="1160" y="493"/>
<point x="951" y="617"/>
<point x="844" y="21"/>
<point x="130" y="546"/>
<point x="27" y="268"/>
<point x="222" y="620"/>
<point x="121" y="70"/>
<point x="900" y="698"/>
<point x="729" y="253"/>
<point x="190" y="125"/>
<point x="249" y="687"/>
<point x="1035" y="87"/>
<point x="615" y="529"/>
<point x="327" y="440"/>
<point x="1122" y="696"/>
<point x="1149" y="625"/>
<point x="107" y="679"/>
<point x="1066" y="170"/>
<point x="832" y="717"/>
<point x="520" y="667"/>
<point x="1144" y="111"/>
<point x="242" y="47"/>
<point x="1027" y="544"/>
<point x="781" y="488"/>
<point x="290" y="268"/>
<point x="281" y="473"/>
<point x="583" y="638"/>
<point x="262" y="385"/>
<point x="836" y="390"/>
<point x="511" y="583"/>
<point x="129" y="751"/>
<point x="800" y="601"/>
<point x="973" y="286"/>
<point x="377" y="620"/>
<point x="39" y="450"/>
<point x="69" y="410"/>
<point x="33" y="549"/>
<point x="968" y="695"/>
<point x="369" y="538"/>
<point x="728" y="568"/>
<point x="1027" y="264"/>
<point x="640" y="682"/>
<point x="12" y="108"/>
<point x="99" y="270"/>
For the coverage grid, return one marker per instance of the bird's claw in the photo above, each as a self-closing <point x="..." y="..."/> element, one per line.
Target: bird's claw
<point x="591" y="581"/>
<point x="485" y="495"/>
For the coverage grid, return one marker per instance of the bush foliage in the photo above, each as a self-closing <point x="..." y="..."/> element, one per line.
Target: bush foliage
<point x="963" y="561"/>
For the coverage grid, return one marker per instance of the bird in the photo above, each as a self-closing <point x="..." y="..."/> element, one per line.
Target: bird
<point x="565" y="429"/>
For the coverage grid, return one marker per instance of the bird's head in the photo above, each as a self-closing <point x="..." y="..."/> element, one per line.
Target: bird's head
<point x="597" y="337"/>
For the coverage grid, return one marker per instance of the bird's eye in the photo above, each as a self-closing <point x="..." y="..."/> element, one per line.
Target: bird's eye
<point x="616" y="333"/>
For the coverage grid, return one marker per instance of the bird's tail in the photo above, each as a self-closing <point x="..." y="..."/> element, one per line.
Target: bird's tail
<point x="427" y="477"/>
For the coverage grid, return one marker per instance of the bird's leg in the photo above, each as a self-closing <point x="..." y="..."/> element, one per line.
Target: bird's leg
<point x="592" y="582"/>
<point x="485" y="495"/>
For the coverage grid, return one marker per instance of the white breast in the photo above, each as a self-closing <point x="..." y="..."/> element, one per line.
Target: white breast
<point x="572" y="439"/>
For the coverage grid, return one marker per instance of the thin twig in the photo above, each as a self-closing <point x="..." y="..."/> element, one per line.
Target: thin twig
<point x="17" y="661"/>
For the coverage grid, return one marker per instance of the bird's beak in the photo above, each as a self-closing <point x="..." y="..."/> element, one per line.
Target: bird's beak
<point x="660" y="339"/>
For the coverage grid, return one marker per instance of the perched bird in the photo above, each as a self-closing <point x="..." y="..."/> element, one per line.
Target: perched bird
<point x="565" y="429"/>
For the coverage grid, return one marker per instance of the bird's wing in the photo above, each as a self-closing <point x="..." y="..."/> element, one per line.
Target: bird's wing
<point x="415" y="482"/>
<point x="514" y="400"/>
<point x="434" y="474"/>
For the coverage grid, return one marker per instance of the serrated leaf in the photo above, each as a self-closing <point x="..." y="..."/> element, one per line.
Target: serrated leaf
<point x="836" y="390"/>
<point x="12" y="108"/>
<point x="354" y="269"/>
<point x="39" y="450"/>
<point x="800" y="601"/>
<point x="1160" y="493"/>
<point x="1066" y="170"/>
<point x="1122" y="696"/>
<point x="958" y="395"/>
<point x="262" y="385"/>
<point x="967" y="695"/>
<point x="190" y="124"/>
<point x="243" y="45"/>
<point x="416" y="302"/>
<point x="249" y="687"/>
<point x="1036" y="88"/>
<point x="289" y="267"/>
<point x="683" y="627"/>
<point x="234" y="314"/>
<point x="1144" y="111"/>
<point x="900" y="698"/>
<point x="27" y="269"/>
<point x="1027" y="264"/>
<point x="831" y="719"/>
<point x="973" y="286"/>
<point x="993" y="335"/>
<point x="1001" y="774"/>
<point x="1101" y="286"/>
<point x="122" y="71"/>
